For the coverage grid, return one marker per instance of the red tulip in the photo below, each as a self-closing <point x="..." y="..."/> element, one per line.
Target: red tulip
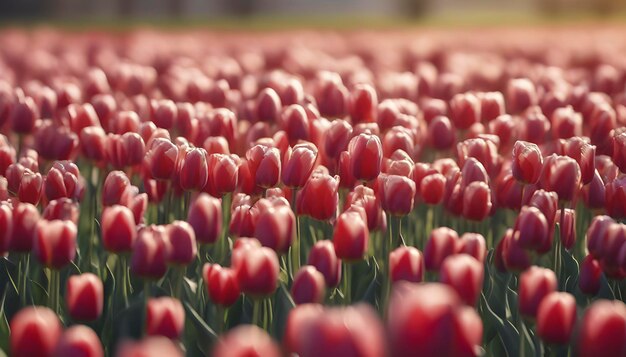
<point x="366" y="155"/>
<point x="531" y="228"/>
<point x="6" y="227"/>
<point x="465" y="275"/>
<point x="165" y="316"/>
<point x="406" y="263"/>
<point x="332" y="96"/>
<point x="268" y="106"/>
<point x="491" y="105"/>
<point x="590" y="275"/>
<point x="149" y="346"/>
<point x="205" y="216"/>
<point x="265" y="165"/>
<point x="476" y="201"/>
<point x="23" y="115"/>
<point x="182" y="243"/>
<point x="55" y="243"/>
<point x="398" y="193"/>
<point x="615" y="197"/>
<point x="619" y="151"/>
<point x="527" y="162"/>
<point x="25" y="219"/>
<point x="298" y="320"/>
<point x="584" y="154"/>
<point x="514" y="257"/>
<point x="161" y="159"/>
<point x="596" y="235"/>
<point x="35" y="331"/>
<point x="568" y="229"/>
<point x="430" y="320"/>
<point x="432" y="188"/>
<point x="482" y="149"/>
<point x="55" y="142"/>
<point x="603" y="330"/>
<point x="547" y="203"/>
<point x="322" y="256"/>
<point x="364" y="197"/>
<point x="560" y="174"/>
<point x="336" y="138"/>
<point x="594" y="193"/>
<point x="473" y="171"/>
<point x="520" y="94"/>
<point x="298" y="164"/>
<point x="193" y="169"/>
<point x="363" y="103"/>
<point x="79" y="340"/>
<point x="114" y="186"/>
<point x="614" y="240"/>
<point x="243" y="220"/>
<point x="222" y="285"/>
<point x="465" y="110"/>
<point x="308" y="286"/>
<point x="150" y="253"/>
<point x="246" y="341"/>
<point x="351" y="235"/>
<point x="535" y="283"/>
<point x="84" y="296"/>
<point x="30" y="188"/>
<point x="223" y="173"/>
<point x="124" y="150"/>
<point x="257" y="271"/>
<point x="276" y="227"/>
<point x="474" y="245"/>
<point x="319" y="196"/>
<point x="118" y="228"/>
<point x="164" y="113"/>
<point x="556" y="317"/>
<point x="64" y="180"/>
<point x="441" y="244"/>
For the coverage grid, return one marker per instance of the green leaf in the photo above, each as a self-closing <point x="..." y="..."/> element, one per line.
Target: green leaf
<point x="507" y="333"/>
<point x="205" y="332"/>
<point x="5" y="331"/>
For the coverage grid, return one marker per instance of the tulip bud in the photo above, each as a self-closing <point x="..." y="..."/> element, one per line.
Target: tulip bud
<point x="275" y="228"/>
<point x="432" y="188"/>
<point x="535" y="283"/>
<point x="615" y="197"/>
<point x="30" y="188"/>
<point x="298" y="165"/>
<point x="619" y="151"/>
<point x="79" y="340"/>
<point x="547" y="203"/>
<point x="351" y="235"/>
<point x="55" y="243"/>
<point x="193" y="169"/>
<point x="150" y="253"/>
<point x="84" y="297"/>
<point x="602" y="330"/>
<point x="124" y="150"/>
<point x="223" y="173"/>
<point x="406" y="263"/>
<point x="398" y="193"/>
<point x="441" y="133"/>
<point x="182" y="243"/>
<point x="531" y="228"/>
<point x="265" y="165"/>
<point x="590" y="275"/>
<point x="55" y="142"/>
<point x="6" y="227"/>
<point x="482" y="149"/>
<point x="584" y="154"/>
<point x="35" y="331"/>
<point x="527" y="162"/>
<point x="161" y="159"/>
<point x="308" y="286"/>
<point x="165" y="316"/>
<point x="222" y="285"/>
<point x="322" y="256"/>
<point x="520" y="94"/>
<point x="257" y="271"/>
<point x="491" y="106"/>
<point x="23" y="115"/>
<point x="441" y="244"/>
<point x="363" y="104"/>
<point x="149" y="346"/>
<point x="244" y="340"/>
<point x="560" y="174"/>
<point x="430" y="320"/>
<point x="465" y="275"/>
<point x="474" y="245"/>
<point x="568" y="228"/>
<point x="205" y="216"/>
<point x="465" y="110"/>
<point x="476" y="201"/>
<point x="336" y="138"/>
<point x="566" y="123"/>
<point x="514" y="256"/>
<point x="25" y="219"/>
<point x="556" y="317"/>
<point x="366" y="155"/>
<point x="118" y="228"/>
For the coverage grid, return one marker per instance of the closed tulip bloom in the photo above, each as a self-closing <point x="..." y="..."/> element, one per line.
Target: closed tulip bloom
<point x="406" y="263"/>
<point x="6" y="227"/>
<point x="351" y="235"/>
<point x="473" y="171"/>
<point x="594" y="193"/>
<point x="35" y="331"/>
<point x="276" y="228"/>
<point x="615" y="198"/>
<point x="442" y="243"/>
<point x="366" y="156"/>
<point x="149" y="346"/>
<point x="568" y="230"/>
<point x="23" y="115"/>
<point x="491" y="105"/>
<point x="535" y="283"/>
<point x="30" y="188"/>
<point x="246" y="341"/>
<point x="165" y="316"/>
<point x="25" y="219"/>
<point x="268" y="168"/>
<point x="222" y="285"/>
<point x="619" y="151"/>
<point x="295" y="123"/>
<point x="584" y="154"/>
<point x="298" y="165"/>
<point x="182" y="241"/>
<point x="205" y="217"/>
<point x="79" y="340"/>
<point x="298" y="320"/>
<point x="474" y="245"/>
<point x="614" y="240"/>
<point x="431" y="320"/>
<point x="597" y="233"/>
<point x="322" y="256"/>
<point x="589" y="276"/>
<point x="309" y="286"/>
<point x="556" y="317"/>
<point x="531" y="228"/>
<point x="441" y="133"/>
<point x="398" y="195"/>
<point x="432" y="188"/>
<point x="118" y="229"/>
<point x="336" y="138"/>
<point x="268" y="106"/>
<point x="482" y="149"/>
<point x="520" y="94"/>
<point x="514" y="257"/>
<point x="114" y="186"/>
<point x="150" y="253"/>
<point x="365" y="198"/>
<point x="527" y="162"/>
<point x="55" y="243"/>
<point x="476" y="201"/>
<point x="124" y="150"/>
<point x="535" y="125"/>
<point x="548" y="203"/>
<point x="465" y="110"/>
<point x="561" y="174"/>
<point x="257" y="271"/>
<point x="55" y="142"/>
<point x="161" y="159"/>
<point x="465" y="275"/>
<point x="602" y="330"/>
<point x="223" y="173"/>
<point x="84" y="297"/>
<point x="243" y="220"/>
<point x="363" y="104"/>
<point x="193" y="171"/>
<point x="319" y="196"/>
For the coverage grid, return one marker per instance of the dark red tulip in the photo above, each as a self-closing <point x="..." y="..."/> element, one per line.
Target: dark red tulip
<point x="205" y="216"/>
<point x="265" y="165"/>
<point x="514" y="257"/>
<point x="164" y="113"/>
<point x="398" y="195"/>
<point x="443" y="242"/>
<point x="366" y="155"/>
<point x="309" y="286"/>
<point x="257" y="271"/>
<point x="596" y="235"/>
<point x="432" y="188"/>
<point x="268" y="106"/>
<point x="14" y="175"/>
<point x="276" y="228"/>
<point x="482" y="149"/>
<point x="556" y="317"/>
<point x="363" y="104"/>
<point x="351" y="235"/>
<point x="535" y="283"/>
<point x="79" y="340"/>
<point x="124" y="150"/>
<point x="547" y="203"/>
<point x="505" y="128"/>
<point x="365" y="197"/>
<point x="222" y="285"/>
<point x="406" y="263"/>
<point x="319" y="196"/>
<point x="182" y="243"/>
<point x="6" y="226"/>
<point x="568" y="228"/>
<point x="531" y="228"/>
<point x="619" y="151"/>
<point x="295" y="123"/>
<point x="118" y="229"/>
<point x="31" y="185"/>
<point x="603" y="121"/>
<point x="322" y="256"/>
<point x="243" y="220"/>
<point x="25" y="219"/>
<point x="465" y="275"/>
<point x="165" y="316"/>
<point x="584" y="154"/>
<point x="430" y="320"/>
<point x="150" y="253"/>
<point x="55" y="243"/>
<point x="527" y="162"/>
<point x="336" y="138"/>
<point x="615" y="197"/>
<point x="35" y="331"/>
<point x="491" y="105"/>
<point x="62" y="182"/>
<point x="161" y="159"/>
<point x="561" y="174"/>
<point x="84" y="297"/>
<point x="602" y="330"/>
<point x="223" y="173"/>
<point x="476" y="201"/>
<point x="474" y="245"/>
<point x="55" y="142"/>
<point x="246" y="341"/>
<point x="473" y="171"/>
<point x="520" y="94"/>
<point x="81" y="116"/>
<point x="614" y="240"/>
<point x="23" y="115"/>
<point x="114" y="187"/>
<point x="193" y="171"/>
<point x="590" y="275"/>
<point x="298" y="164"/>
<point x="136" y="202"/>
<point x="465" y="110"/>
<point x="594" y="193"/>
<point x="297" y="321"/>
<point x="347" y="179"/>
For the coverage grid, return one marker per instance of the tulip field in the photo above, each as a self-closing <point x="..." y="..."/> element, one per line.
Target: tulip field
<point x="313" y="193"/>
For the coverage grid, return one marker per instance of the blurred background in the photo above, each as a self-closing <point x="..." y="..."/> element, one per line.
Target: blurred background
<point x="82" y="10"/>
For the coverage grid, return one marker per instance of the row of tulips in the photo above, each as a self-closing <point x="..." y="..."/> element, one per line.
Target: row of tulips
<point x="162" y="198"/>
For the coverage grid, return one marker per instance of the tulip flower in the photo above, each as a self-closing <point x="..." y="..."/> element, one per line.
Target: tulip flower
<point x="298" y="165"/>
<point x="432" y="188"/>
<point x="615" y="197"/>
<point x="406" y="263"/>
<point x="596" y="235"/>
<point x="319" y="196"/>
<point x="366" y="154"/>
<point x="365" y="198"/>
<point x="473" y="244"/>
<point x="223" y="173"/>
<point x="535" y="283"/>
<point x="476" y="201"/>
<point x="193" y="169"/>
<point x="561" y="174"/>
<point x="30" y="187"/>
<point x="363" y="103"/>
<point x="603" y="330"/>
<point x="244" y="340"/>
<point x="556" y="317"/>
<point x="23" y="115"/>
<point x="276" y="228"/>
<point x="35" y="331"/>
<point x="590" y="275"/>
<point x="351" y="235"/>
<point x="222" y="285"/>
<point x="161" y="159"/>
<point x="257" y="271"/>
<point x="118" y="228"/>
<point x="584" y="154"/>
<point x="531" y="228"/>
<point x="398" y="195"/>
<point x="514" y="256"/>
<point x="322" y="256"/>
<point x="205" y="217"/>
<point x="25" y="219"/>
<point x="6" y="227"/>
<point x="568" y="230"/>
<point x="182" y="243"/>
<point x="150" y="253"/>
<point x="441" y="243"/>
<point x="165" y="316"/>
<point x="79" y="340"/>
<point x="336" y="138"/>
<point x="84" y="297"/>
<point x="465" y="275"/>
<point x="55" y="243"/>
<point x="149" y="346"/>
<point x="527" y="162"/>
<point x="520" y="94"/>
<point x="465" y="110"/>
<point x="124" y="150"/>
<point x="309" y="286"/>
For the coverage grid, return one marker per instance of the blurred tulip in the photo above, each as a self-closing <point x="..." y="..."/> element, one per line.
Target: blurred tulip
<point x="465" y="110"/>
<point x="590" y="275"/>
<point x="165" y="316"/>
<point x="35" y="331"/>
<point x="351" y="235"/>
<point x="23" y="115"/>
<point x="584" y="154"/>
<point x="6" y="227"/>
<point x="319" y="196"/>
<point x="476" y="201"/>
<point x="124" y="150"/>
<point x="561" y="174"/>
<point x="223" y="173"/>
<point x="222" y="285"/>
<point x="150" y="253"/>
<point x="149" y="346"/>
<point x="118" y="229"/>
<point x="31" y="185"/>
<point x="205" y="217"/>
<point x="182" y="243"/>
<point x="535" y="283"/>
<point x="520" y="94"/>
<point x="322" y="256"/>
<point x="308" y="286"/>
<point x="363" y="103"/>
<point x="161" y="159"/>
<point x="473" y="244"/>
<point x="25" y="219"/>
<point x="514" y="257"/>
<point x="602" y="330"/>
<point x="276" y="228"/>
<point x="246" y="341"/>
<point x="442" y="243"/>
<point x="366" y="155"/>
<point x="406" y="263"/>
<point x="55" y="142"/>
<point x="596" y="235"/>
<point x="115" y="184"/>
<point x="556" y="317"/>
<point x="432" y="188"/>
<point x="527" y="162"/>
<point x="398" y="195"/>
<point x="79" y="340"/>
<point x="298" y="165"/>
<point x="84" y="297"/>
<point x="531" y="228"/>
<point x="615" y="197"/>
<point x="568" y="230"/>
<point x="465" y="275"/>
<point x="55" y="243"/>
<point x="257" y="271"/>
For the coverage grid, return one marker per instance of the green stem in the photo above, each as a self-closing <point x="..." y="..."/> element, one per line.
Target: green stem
<point x="180" y="277"/>
<point x="53" y="290"/>
<point x="23" y="276"/>
<point x="347" y="293"/>
<point x="522" y="344"/>
<point x="146" y="298"/>
<point x="256" y="309"/>
<point x="221" y="313"/>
